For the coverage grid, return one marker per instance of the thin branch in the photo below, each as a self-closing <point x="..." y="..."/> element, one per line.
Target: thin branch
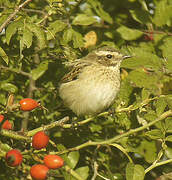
<point x="14" y="135"/>
<point x="11" y="16"/>
<point x="27" y="135"/>
<point x="49" y="126"/>
<point x="117" y="138"/>
<point x="117" y="110"/>
<point x="157" y="164"/>
<point x="16" y="71"/>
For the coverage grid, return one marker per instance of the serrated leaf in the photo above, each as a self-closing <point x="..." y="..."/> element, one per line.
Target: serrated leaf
<point x="128" y="33"/>
<point x="12" y="28"/>
<point x="40" y="70"/>
<point x="83" y="19"/>
<point x="27" y="38"/>
<point x="55" y="27"/>
<point x="39" y="33"/>
<point x="163" y="13"/>
<point x="155" y="134"/>
<point x="134" y="172"/>
<point x="9" y="87"/>
<point x="96" y="5"/>
<point x="73" y="158"/>
<point x="4" y="56"/>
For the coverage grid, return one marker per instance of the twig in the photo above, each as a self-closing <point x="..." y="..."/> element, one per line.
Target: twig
<point x="95" y="171"/>
<point x="14" y="135"/>
<point x="157" y="164"/>
<point x="49" y="126"/>
<point x="11" y="16"/>
<point x="27" y="135"/>
<point x="15" y="70"/>
<point x="117" y="138"/>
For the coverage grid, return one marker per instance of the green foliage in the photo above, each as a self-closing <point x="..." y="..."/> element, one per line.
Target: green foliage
<point x="34" y="46"/>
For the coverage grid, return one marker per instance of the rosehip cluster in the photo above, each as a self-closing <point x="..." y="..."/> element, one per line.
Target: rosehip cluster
<point x="40" y="171"/>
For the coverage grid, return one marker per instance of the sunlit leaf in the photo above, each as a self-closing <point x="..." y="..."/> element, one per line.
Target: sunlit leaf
<point x="134" y="172"/>
<point x="83" y="19"/>
<point x="128" y="33"/>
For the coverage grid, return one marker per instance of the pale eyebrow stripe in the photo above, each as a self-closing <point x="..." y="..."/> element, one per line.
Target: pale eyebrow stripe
<point x="100" y="53"/>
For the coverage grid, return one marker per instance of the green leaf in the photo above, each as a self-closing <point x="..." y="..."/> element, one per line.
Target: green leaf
<point x="27" y="38"/>
<point x="134" y="172"/>
<point x="167" y="53"/>
<point x="83" y="19"/>
<point x="12" y="28"/>
<point x="73" y="158"/>
<point x="83" y="172"/>
<point x="95" y="127"/>
<point x="155" y="134"/>
<point x="77" y="39"/>
<point x="4" y="56"/>
<point x="128" y="33"/>
<point x="96" y="5"/>
<point x="10" y="88"/>
<point x="145" y="94"/>
<point x="125" y="92"/>
<point x="67" y="36"/>
<point x="40" y="70"/>
<point x="55" y="27"/>
<point x="142" y="58"/>
<point x="74" y="36"/>
<point x="39" y="33"/>
<point x="168" y="99"/>
<point x="141" y="79"/>
<point x="163" y="13"/>
<point x="160" y="106"/>
<point x="141" y="16"/>
<point x="169" y="138"/>
<point x="168" y="124"/>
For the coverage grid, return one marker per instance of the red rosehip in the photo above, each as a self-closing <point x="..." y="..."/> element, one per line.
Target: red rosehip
<point x="39" y="171"/>
<point x="14" y="157"/>
<point x="28" y="104"/>
<point x="53" y="161"/>
<point x="40" y="140"/>
<point x="7" y="124"/>
<point x="1" y="117"/>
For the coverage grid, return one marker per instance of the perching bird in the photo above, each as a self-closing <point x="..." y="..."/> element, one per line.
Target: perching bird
<point x="93" y="82"/>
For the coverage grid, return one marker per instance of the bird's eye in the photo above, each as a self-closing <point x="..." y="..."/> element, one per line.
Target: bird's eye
<point x="109" y="56"/>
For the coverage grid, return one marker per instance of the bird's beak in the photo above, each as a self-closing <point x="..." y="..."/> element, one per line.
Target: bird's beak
<point x="126" y="56"/>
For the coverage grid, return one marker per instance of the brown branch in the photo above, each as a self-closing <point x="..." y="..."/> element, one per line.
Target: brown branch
<point x="11" y="16"/>
<point x="118" y="137"/>
<point x="16" y="71"/>
<point x="156" y="32"/>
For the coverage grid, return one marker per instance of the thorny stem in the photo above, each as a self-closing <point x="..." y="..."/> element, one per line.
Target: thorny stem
<point x="118" y="137"/>
<point x="11" y="16"/>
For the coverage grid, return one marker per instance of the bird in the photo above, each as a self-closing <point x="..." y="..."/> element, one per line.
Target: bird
<point x="92" y="84"/>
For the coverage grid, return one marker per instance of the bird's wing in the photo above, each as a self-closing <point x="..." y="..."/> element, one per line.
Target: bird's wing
<point x="76" y="68"/>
